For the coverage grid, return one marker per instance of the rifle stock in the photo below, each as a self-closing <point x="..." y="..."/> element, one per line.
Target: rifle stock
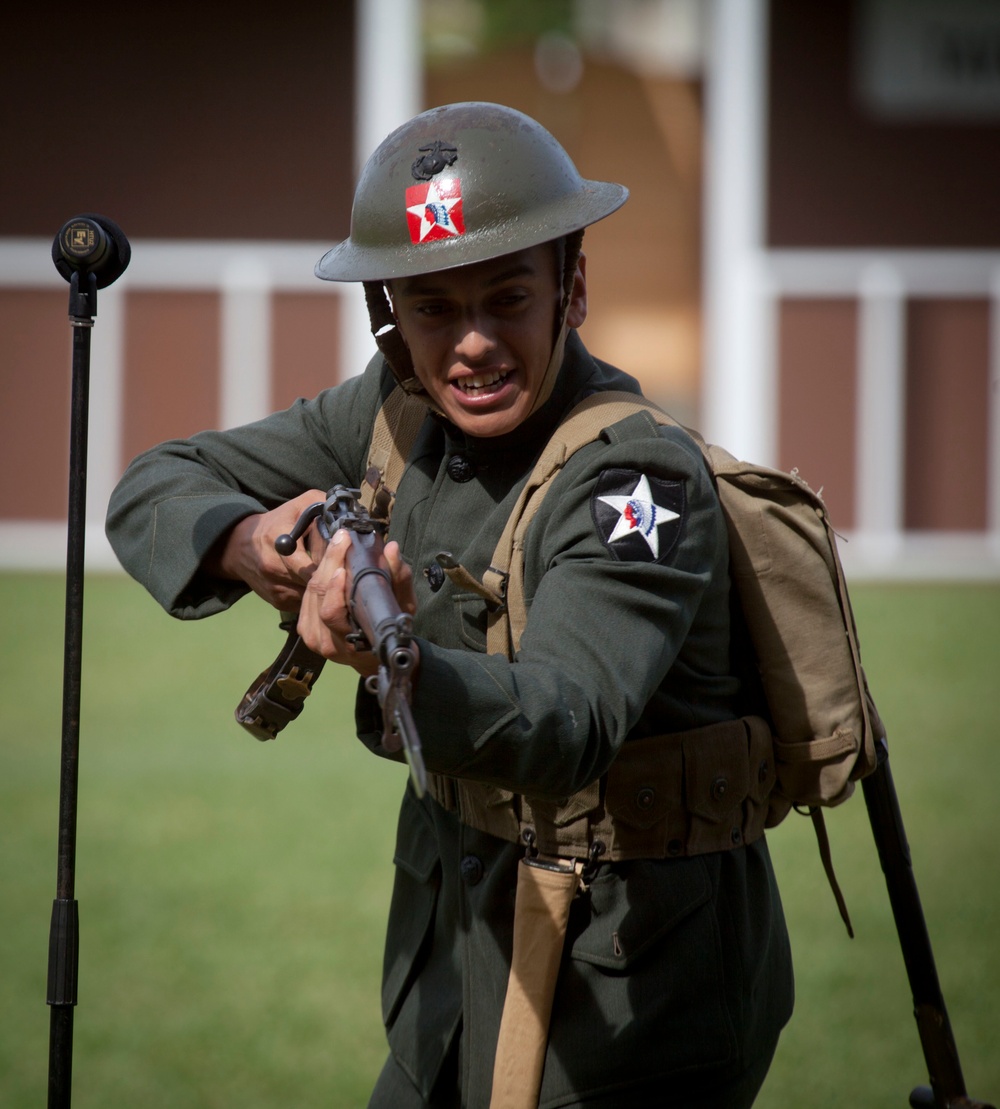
<point x="947" y="1089"/>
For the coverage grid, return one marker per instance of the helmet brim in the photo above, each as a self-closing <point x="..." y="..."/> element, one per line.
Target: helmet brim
<point x="348" y="262"/>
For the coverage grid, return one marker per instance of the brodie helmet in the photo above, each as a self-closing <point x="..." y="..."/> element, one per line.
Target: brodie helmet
<point x="455" y="185"/>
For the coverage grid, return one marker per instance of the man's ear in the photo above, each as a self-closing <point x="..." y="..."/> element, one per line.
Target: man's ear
<point x="576" y="313"/>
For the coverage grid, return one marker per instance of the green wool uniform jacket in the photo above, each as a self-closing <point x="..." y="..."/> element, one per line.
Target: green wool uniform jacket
<point x="671" y="967"/>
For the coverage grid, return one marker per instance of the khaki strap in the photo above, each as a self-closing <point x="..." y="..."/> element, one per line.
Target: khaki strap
<point x="396" y="425"/>
<point x="545" y="891"/>
<point x="823" y="842"/>
<point x="582" y="426"/>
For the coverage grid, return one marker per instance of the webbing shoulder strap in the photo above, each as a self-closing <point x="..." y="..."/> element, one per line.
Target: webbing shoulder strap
<point x="396" y="425"/>
<point x="506" y="573"/>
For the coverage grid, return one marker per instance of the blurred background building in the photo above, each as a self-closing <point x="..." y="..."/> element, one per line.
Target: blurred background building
<point x="808" y="267"/>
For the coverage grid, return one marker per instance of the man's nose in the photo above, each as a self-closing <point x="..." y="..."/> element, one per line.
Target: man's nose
<point x="476" y="340"/>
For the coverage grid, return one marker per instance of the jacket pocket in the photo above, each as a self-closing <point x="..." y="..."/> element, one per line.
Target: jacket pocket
<point x="472" y="614"/>
<point x="632" y="908"/>
<point x="414" y="899"/>
<point x="642" y="995"/>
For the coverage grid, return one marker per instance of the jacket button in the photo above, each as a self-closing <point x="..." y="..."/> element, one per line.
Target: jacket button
<point x="471" y="870"/>
<point x="645" y="797"/>
<point x="435" y="576"/>
<point x="719" y="789"/>
<point x="460" y="468"/>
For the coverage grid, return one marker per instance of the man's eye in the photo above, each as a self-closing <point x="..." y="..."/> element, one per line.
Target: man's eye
<point x="512" y="299"/>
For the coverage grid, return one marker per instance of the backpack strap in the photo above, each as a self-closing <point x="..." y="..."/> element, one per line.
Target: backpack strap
<point x="505" y="576"/>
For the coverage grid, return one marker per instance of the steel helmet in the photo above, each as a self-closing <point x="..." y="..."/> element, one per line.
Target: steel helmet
<point x="459" y="184"/>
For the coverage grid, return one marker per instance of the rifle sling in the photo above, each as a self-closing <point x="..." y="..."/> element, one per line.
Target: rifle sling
<point x="277" y="696"/>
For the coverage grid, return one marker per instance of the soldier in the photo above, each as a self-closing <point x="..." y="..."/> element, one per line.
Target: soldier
<point x="591" y="749"/>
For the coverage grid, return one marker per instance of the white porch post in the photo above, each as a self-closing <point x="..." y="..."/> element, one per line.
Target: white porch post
<point x="387" y="93"/>
<point x="738" y="388"/>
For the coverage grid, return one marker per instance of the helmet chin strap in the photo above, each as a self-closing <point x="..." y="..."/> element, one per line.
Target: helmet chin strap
<point x="569" y="252"/>
<point x="390" y="342"/>
<point x="388" y="337"/>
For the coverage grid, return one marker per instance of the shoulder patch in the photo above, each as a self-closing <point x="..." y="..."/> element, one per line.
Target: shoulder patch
<point x="639" y="518"/>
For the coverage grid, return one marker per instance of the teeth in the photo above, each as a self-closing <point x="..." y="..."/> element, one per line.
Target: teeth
<point x="481" y="381"/>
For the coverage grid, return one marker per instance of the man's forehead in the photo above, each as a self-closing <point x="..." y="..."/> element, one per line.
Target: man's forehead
<point x="494" y="271"/>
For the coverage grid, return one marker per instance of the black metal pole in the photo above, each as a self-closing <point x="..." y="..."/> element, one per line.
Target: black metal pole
<point x="947" y="1090"/>
<point x="90" y="252"/>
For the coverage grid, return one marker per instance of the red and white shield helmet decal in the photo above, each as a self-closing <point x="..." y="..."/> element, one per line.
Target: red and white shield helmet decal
<point x="434" y="210"/>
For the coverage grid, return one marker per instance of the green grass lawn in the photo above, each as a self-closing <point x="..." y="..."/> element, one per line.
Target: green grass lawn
<point x="233" y="894"/>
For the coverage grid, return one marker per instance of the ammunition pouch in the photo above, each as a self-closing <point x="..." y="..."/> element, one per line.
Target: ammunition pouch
<point x="664" y="796"/>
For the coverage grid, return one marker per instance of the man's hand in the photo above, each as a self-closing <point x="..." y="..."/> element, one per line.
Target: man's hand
<point x="324" y="622"/>
<point x="246" y="553"/>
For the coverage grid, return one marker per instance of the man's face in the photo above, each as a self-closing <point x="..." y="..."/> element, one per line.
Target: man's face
<point x="481" y="336"/>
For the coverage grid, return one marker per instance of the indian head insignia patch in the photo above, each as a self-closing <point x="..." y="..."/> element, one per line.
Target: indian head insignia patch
<point x="639" y="518"/>
<point x="434" y="210"/>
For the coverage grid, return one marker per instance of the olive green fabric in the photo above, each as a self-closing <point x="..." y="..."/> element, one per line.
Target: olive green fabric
<point x="514" y="185"/>
<point x="670" y="966"/>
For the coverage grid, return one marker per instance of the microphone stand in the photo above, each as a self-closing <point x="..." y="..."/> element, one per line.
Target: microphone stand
<point x="90" y="252"/>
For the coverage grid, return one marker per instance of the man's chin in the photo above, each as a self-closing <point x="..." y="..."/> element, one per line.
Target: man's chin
<point x="488" y="422"/>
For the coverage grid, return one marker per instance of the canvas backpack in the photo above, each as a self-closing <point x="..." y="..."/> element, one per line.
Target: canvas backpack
<point x="786" y="573"/>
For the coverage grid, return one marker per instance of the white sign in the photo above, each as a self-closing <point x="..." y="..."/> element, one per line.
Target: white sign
<point x="929" y="59"/>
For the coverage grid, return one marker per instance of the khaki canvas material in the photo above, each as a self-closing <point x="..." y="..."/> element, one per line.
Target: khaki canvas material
<point x="787" y="573"/>
<point x="541" y="911"/>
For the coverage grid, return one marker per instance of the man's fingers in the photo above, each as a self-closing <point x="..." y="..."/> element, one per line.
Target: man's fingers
<point x="402" y="578"/>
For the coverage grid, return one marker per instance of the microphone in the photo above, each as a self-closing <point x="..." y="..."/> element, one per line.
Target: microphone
<point x="91" y="244"/>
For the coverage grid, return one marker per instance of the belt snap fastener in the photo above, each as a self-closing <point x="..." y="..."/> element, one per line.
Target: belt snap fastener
<point x="645" y="797"/>
<point x="471" y="870"/>
<point x="460" y="468"/>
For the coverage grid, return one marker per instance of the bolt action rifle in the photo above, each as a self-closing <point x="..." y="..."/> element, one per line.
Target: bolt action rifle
<point x="947" y="1089"/>
<point x="379" y="624"/>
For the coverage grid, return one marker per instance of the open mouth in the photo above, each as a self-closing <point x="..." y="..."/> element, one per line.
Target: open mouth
<point x="481" y="385"/>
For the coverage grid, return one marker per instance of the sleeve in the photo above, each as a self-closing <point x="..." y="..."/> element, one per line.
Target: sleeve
<point x="608" y="622"/>
<point x="176" y="500"/>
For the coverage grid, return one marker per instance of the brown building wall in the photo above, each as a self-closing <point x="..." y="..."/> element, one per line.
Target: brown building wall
<point x="35" y="362"/>
<point x="839" y="176"/>
<point x="947" y="406"/>
<point x="195" y="121"/>
<point x="305" y="335"/>
<point x="190" y="120"/>
<point x="817" y="399"/>
<point x="171" y="387"/>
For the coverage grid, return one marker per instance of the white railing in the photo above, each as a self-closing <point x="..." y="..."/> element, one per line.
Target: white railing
<point x="882" y="282"/>
<point x="244" y="275"/>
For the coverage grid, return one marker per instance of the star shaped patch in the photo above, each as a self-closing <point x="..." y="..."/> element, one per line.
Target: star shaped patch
<point x="434" y="210"/>
<point x="639" y="518"/>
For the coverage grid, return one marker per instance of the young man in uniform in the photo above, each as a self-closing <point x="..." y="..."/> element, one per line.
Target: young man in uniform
<point x="605" y="725"/>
